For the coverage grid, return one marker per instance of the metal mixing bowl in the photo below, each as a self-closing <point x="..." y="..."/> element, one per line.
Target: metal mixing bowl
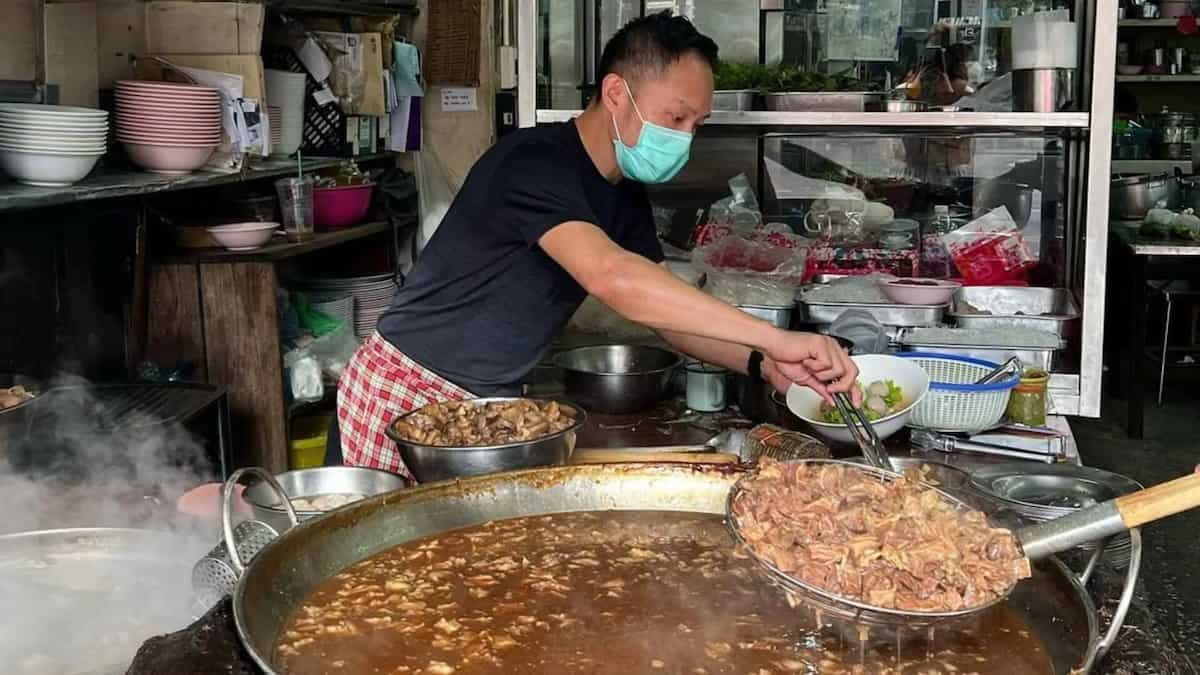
<point x="617" y="379"/>
<point x="325" y="480"/>
<point x="430" y="463"/>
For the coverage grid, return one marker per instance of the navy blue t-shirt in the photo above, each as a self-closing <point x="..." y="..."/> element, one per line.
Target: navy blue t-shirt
<point x="483" y="301"/>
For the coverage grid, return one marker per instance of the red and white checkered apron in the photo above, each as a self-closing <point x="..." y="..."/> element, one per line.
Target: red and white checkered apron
<point x="378" y="385"/>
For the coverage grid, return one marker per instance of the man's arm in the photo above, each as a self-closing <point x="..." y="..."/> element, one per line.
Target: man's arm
<point x="650" y="295"/>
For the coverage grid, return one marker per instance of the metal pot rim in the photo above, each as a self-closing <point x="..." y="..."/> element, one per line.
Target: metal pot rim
<point x="580" y="419"/>
<point x="1139" y="179"/>
<point x="273" y="507"/>
<point x="559" y="357"/>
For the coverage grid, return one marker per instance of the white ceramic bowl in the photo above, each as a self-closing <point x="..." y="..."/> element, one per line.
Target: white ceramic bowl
<point x="924" y="292"/>
<point x="911" y="378"/>
<point x="56" y="111"/>
<point x="47" y="169"/>
<point x="48" y="138"/>
<point x="70" y="148"/>
<point x="43" y="135"/>
<point x="243" y="236"/>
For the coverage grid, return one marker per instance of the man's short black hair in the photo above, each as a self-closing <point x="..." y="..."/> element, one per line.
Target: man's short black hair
<point x="646" y="46"/>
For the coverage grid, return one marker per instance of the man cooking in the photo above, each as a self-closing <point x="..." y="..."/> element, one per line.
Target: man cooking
<point x="547" y="216"/>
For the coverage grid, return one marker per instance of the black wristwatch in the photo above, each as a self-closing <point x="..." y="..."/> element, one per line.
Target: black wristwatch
<point x="754" y="365"/>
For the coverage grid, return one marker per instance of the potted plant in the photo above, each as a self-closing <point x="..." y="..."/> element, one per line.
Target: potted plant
<point x="788" y="88"/>
<point x="736" y="85"/>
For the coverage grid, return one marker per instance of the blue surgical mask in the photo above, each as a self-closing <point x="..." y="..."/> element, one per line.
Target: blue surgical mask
<point x="659" y="153"/>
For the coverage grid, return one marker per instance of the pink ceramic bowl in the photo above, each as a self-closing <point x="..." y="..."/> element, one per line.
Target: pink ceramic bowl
<point x="170" y="129"/>
<point x="168" y="137"/>
<point x="127" y="99"/>
<point x="168" y="159"/>
<point x="907" y="291"/>
<point x="176" y="88"/>
<point x="169" y="132"/>
<point x="339" y="207"/>
<point x="243" y="236"/>
<point x="167" y="113"/>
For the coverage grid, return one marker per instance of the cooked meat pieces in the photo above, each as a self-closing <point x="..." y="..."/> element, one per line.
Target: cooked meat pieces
<point x="894" y="544"/>
<point x="14" y="396"/>
<point x="468" y="423"/>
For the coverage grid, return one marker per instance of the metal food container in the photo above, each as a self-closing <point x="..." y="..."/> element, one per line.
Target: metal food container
<point x="886" y="314"/>
<point x="739" y="100"/>
<point x="780" y="317"/>
<point x="1053" y="604"/>
<point x="1052" y="310"/>
<point x="824" y="101"/>
<point x="1131" y="197"/>
<point x="317" y="482"/>
<point x="433" y="463"/>
<point x="1037" y="357"/>
<point x="617" y="379"/>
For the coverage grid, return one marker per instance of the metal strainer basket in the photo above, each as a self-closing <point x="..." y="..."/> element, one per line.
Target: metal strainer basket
<point x="216" y="574"/>
<point x="830" y="605"/>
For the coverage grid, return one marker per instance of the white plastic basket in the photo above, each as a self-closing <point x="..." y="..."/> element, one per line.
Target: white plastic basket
<point x="954" y="403"/>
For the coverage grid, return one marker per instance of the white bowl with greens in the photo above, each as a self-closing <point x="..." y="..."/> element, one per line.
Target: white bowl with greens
<point x="891" y="385"/>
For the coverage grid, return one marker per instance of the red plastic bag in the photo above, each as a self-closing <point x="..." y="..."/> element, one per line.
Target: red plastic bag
<point x="990" y="250"/>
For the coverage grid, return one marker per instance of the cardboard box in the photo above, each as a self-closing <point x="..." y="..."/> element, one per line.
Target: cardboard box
<point x="18" y="50"/>
<point x="250" y="67"/>
<point x="186" y="27"/>
<point x="71" y="52"/>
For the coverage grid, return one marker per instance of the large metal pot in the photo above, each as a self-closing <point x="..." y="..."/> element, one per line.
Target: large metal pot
<point x="325" y="480"/>
<point x="1131" y="197"/>
<point x="82" y="600"/>
<point x="1053" y="603"/>
<point x="1016" y="197"/>
<point x="430" y="463"/>
<point x="617" y="379"/>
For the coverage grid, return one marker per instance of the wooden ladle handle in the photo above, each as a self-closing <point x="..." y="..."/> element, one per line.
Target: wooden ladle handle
<point x="1160" y="501"/>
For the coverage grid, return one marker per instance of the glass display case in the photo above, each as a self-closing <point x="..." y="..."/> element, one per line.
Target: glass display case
<point x="937" y="134"/>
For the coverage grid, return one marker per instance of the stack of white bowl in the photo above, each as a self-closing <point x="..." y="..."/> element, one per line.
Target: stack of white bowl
<point x="50" y="145"/>
<point x="166" y="127"/>
<point x="276" y="122"/>
<point x="285" y="90"/>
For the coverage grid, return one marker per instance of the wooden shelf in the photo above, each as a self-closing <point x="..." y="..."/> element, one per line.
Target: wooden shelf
<point x="279" y="248"/>
<point x="110" y="183"/>
<point x="1161" y="79"/>
<point x="1151" y="165"/>
<point x="344" y="7"/>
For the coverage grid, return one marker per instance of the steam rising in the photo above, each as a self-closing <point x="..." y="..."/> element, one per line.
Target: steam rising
<point x="85" y="608"/>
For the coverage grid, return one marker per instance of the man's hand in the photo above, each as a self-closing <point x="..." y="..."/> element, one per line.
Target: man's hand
<point x="814" y="361"/>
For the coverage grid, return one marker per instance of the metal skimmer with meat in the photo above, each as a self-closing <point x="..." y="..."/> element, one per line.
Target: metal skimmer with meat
<point x="892" y="544"/>
<point x="464" y="423"/>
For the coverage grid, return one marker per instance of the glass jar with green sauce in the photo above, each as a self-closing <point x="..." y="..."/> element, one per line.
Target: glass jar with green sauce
<point x="1027" y="403"/>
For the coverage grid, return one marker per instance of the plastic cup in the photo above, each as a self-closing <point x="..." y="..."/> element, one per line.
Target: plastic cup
<point x="296" y="207"/>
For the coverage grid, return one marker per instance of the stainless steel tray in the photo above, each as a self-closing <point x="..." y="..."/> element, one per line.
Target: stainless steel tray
<point x="886" y="314"/>
<point x="1046" y="309"/>
<point x="1037" y="357"/>
<point x="822" y="101"/>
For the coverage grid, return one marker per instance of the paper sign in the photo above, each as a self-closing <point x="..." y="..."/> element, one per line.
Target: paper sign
<point x="459" y="99"/>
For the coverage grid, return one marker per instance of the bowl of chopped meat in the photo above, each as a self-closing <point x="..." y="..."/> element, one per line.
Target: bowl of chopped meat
<point x="480" y="436"/>
<point x="891" y="387"/>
